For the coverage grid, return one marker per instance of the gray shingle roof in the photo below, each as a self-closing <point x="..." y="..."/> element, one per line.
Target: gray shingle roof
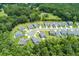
<point x="21" y="28"/>
<point x="35" y="40"/>
<point x="31" y="26"/>
<point x="22" y="41"/>
<point x="42" y="35"/>
<point x="18" y="34"/>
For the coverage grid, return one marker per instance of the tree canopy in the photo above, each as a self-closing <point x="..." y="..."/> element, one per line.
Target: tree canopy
<point x="12" y="15"/>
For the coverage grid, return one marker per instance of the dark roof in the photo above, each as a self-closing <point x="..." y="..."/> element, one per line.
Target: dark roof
<point x="58" y="33"/>
<point x="36" y="25"/>
<point x="70" y="23"/>
<point x="63" y="32"/>
<point x="22" y="41"/>
<point x="35" y="40"/>
<point x="18" y="34"/>
<point x="21" y="28"/>
<point x="42" y="35"/>
<point x="53" y="24"/>
<point x="31" y="33"/>
<point x="30" y="26"/>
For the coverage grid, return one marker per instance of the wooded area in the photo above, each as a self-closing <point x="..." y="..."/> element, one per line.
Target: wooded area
<point x="12" y="15"/>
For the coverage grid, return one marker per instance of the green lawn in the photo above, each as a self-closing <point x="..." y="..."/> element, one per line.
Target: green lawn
<point x="49" y="17"/>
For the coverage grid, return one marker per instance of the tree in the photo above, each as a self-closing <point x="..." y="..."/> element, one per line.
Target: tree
<point x="74" y="20"/>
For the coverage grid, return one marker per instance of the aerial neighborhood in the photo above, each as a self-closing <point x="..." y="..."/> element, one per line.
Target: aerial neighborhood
<point x="39" y="29"/>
